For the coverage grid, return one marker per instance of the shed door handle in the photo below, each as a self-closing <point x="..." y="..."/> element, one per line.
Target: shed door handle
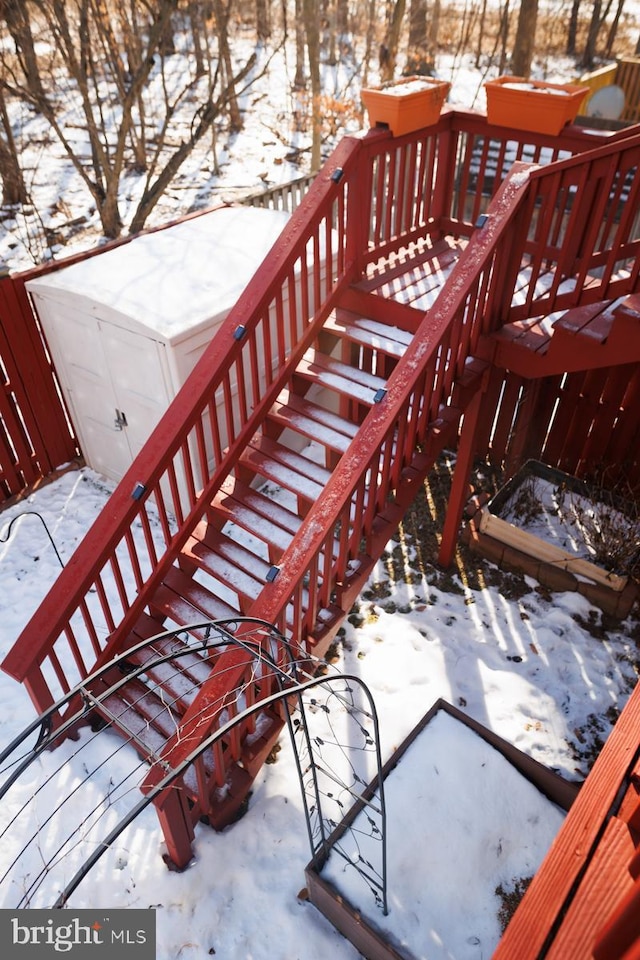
<point x="120" y="421"/>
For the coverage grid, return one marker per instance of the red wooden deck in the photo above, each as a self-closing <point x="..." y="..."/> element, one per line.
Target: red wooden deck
<point x="436" y="301"/>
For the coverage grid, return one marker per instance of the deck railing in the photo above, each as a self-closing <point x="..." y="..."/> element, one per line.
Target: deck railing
<point x="101" y="592"/>
<point x="375" y="194"/>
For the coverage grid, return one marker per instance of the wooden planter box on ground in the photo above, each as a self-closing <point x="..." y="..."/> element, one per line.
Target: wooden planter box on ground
<point x="405" y="105"/>
<point x="363" y="923"/>
<point x="533" y="104"/>
<point x="559" y="563"/>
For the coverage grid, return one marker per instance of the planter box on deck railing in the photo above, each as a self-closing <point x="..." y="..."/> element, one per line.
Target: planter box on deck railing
<point x="405" y="105"/>
<point x="533" y="105"/>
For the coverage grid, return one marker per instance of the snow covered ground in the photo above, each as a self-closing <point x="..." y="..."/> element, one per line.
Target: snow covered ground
<point x="536" y="668"/>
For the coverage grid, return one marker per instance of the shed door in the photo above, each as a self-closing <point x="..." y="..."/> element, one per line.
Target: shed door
<point x="114" y="381"/>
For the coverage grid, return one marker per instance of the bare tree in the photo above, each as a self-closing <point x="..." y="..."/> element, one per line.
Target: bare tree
<point x="300" y="82"/>
<point x="390" y="44"/>
<point x="14" y="189"/>
<point x="105" y="71"/>
<point x="572" y="35"/>
<point x="524" y="43"/>
<point x="313" y="52"/>
<point x="588" y="57"/>
<point x="222" y="14"/>
<point x="418" y="54"/>
<point x="613" y="29"/>
<point x="369" y="40"/>
<point x="504" y="35"/>
<point x="263" y="20"/>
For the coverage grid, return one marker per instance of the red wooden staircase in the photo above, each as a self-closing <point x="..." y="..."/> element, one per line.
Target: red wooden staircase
<point x="341" y="339"/>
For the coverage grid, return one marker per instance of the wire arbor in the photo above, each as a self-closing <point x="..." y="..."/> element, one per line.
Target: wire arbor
<point x="62" y="811"/>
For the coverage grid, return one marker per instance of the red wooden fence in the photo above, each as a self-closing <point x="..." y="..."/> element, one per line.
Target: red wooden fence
<point x="36" y="435"/>
<point x="586" y="424"/>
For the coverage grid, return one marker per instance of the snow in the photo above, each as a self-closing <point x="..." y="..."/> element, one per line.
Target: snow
<point x="522" y="666"/>
<point x="170" y="281"/>
<point x="470" y="836"/>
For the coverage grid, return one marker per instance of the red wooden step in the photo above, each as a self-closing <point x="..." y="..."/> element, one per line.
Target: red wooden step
<point x="354" y="384"/>
<point x="183" y="600"/>
<point x="593" y="321"/>
<point x="587" y="337"/>
<point x="181" y="676"/>
<point x="268" y="521"/>
<point x="290" y="470"/>
<point x="414" y="274"/>
<point x="630" y="307"/>
<point x="372" y="334"/>
<point x="312" y="421"/>
<point x="228" y="562"/>
<point x="141" y="715"/>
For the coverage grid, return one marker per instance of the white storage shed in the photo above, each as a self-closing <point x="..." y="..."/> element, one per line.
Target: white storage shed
<point x="126" y="327"/>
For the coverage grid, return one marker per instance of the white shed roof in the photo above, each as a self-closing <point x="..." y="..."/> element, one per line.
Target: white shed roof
<point x="173" y="280"/>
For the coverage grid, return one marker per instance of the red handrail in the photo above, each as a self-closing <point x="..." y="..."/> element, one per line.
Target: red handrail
<point x="200" y="436"/>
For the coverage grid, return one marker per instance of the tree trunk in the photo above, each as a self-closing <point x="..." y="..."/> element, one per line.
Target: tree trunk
<point x="483" y="16"/>
<point x="572" y="35"/>
<point x="342" y="21"/>
<point x="263" y="20"/>
<point x="198" y="34"/>
<point x="524" y="44"/>
<point x="433" y="30"/>
<point x="299" y="80"/>
<point x="418" y="55"/>
<point x="16" y="14"/>
<point x="613" y="30"/>
<point x="371" y="28"/>
<point x="389" y="47"/>
<point x="14" y="190"/>
<point x="313" y="52"/>
<point x="222" y="20"/>
<point x="504" y="36"/>
<point x="588" y="57"/>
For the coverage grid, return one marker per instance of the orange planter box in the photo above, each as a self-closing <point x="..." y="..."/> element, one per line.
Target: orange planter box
<point x="405" y="105"/>
<point x="533" y="105"/>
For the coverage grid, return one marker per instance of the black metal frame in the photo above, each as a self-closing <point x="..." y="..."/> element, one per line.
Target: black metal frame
<point x="315" y="766"/>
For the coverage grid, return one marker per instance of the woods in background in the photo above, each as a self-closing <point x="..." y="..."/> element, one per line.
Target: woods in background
<point x="102" y="73"/>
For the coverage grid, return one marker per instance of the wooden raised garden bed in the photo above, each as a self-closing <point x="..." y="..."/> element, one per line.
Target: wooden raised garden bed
<point x="553" y="527"/>
<point x="449" y="832"/>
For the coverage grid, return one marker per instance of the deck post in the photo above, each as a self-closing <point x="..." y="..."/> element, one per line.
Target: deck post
<point x="175" y="821"/>
<point x="462" y="470"/>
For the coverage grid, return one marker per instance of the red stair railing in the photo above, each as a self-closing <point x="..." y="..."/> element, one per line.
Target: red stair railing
<point x="194" y="447"/>
<point x="584" y="239"/>
<point x="374" y="195"/>
<point x="90" y="610"/>
<point x="377" y="466"/>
